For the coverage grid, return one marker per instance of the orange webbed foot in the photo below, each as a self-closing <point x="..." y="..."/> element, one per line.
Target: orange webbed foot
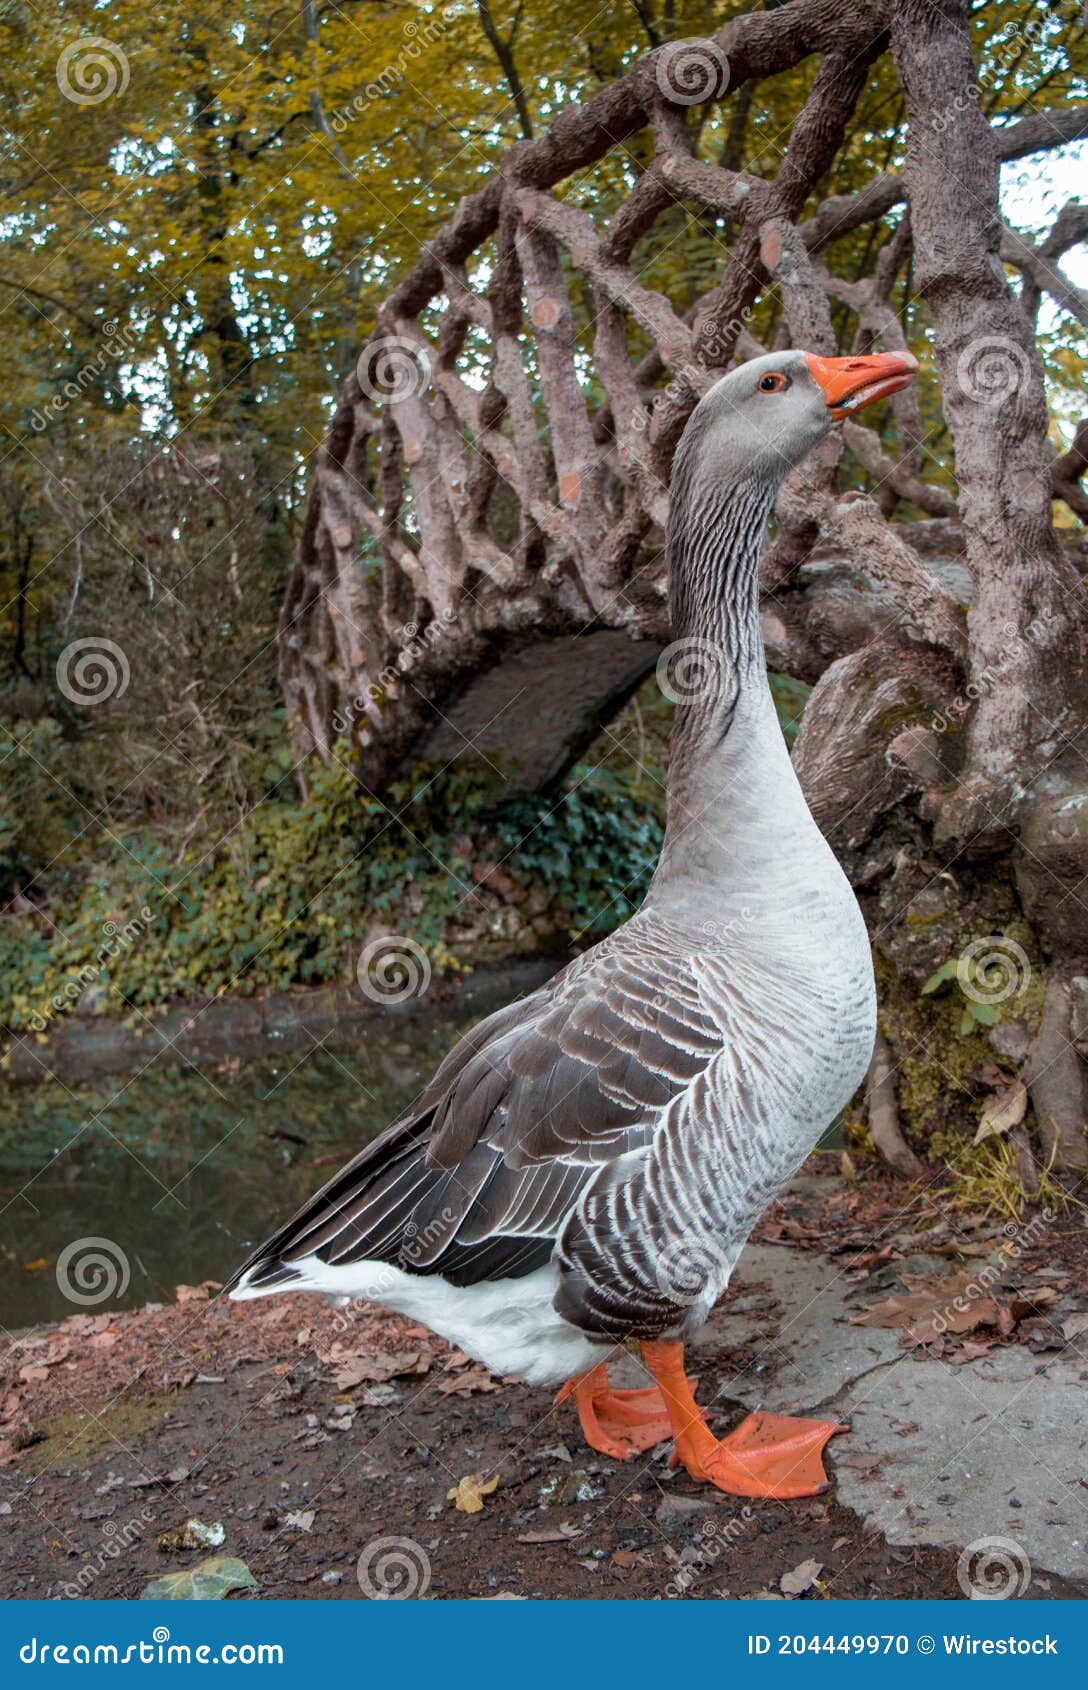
<point x="767" y="1455"/>
<point x="618" y="1424"/>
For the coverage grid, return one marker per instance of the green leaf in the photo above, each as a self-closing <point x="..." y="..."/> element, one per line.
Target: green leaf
<point x="947" y="971"/>
<point x="208" y="1581"/>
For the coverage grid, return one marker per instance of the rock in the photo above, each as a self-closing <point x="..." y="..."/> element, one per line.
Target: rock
<point x="562" y="1489"/>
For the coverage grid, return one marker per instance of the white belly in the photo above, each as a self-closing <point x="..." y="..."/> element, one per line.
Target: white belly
<point x="510" y="1325"/>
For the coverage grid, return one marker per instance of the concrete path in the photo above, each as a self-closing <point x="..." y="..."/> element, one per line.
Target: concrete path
<point x="941" y="1455"/>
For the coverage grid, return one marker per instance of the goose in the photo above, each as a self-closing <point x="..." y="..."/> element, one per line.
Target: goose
<point x="581" y="1173"/>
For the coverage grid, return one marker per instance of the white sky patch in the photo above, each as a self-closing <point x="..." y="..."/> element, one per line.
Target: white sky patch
<point x="1034" y="190"/>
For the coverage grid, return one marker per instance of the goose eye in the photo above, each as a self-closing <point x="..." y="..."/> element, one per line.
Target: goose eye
<point x="774" y="383"/>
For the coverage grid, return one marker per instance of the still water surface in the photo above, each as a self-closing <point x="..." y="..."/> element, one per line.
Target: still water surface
<point x="183" y="1169"/>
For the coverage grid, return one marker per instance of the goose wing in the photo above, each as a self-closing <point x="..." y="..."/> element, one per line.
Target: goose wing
<point x="478" y="1182"/>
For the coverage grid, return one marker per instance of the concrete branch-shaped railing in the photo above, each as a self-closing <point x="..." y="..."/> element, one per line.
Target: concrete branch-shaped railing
<point x="507" y="492"/>
<point x="481" y="571"/>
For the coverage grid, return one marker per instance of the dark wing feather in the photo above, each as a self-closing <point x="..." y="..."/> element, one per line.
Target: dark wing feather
<point x="523" y="1111"/>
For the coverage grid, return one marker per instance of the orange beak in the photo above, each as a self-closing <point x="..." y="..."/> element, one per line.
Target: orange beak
<point x="850" y="383"/>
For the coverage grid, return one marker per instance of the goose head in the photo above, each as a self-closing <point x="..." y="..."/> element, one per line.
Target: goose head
<point x="761" y="419"/>
<point x="741" y="441"/>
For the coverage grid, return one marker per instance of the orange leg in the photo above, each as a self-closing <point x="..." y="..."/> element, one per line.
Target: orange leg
<point x="767" y="1455"/>
<point x="618" y="1424"/>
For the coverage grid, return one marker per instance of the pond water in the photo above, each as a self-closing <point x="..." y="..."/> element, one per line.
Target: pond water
<point x="183" y="1170"/>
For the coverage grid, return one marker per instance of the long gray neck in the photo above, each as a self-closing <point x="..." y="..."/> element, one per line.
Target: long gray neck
<point x="715" y="533"/>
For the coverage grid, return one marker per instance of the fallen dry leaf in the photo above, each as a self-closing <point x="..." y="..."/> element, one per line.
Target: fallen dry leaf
<point x="1002" y="1111"/>
<point x="559" y="1534"/>
<point x="802" y="1578"/>
<point x="934" y="1312"/>
<point x="470" y="1379"/>
<point x="378" y="1368"/>
<point x="468" y="1493"/>
<point x="196" y="1293"/>
<point x="1074" y="1324"/>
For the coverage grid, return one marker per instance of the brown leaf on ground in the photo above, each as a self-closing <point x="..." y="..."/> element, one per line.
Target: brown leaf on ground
<point x="933" y="1312"/>
<point x="472" y="1379"/>
<point x="802" y="1578"/>
<point x="1002" y="1111"/>
<point x="378" y="1368"/>
<point x="197" y="1293"/>
<point x="467" y="1495"/>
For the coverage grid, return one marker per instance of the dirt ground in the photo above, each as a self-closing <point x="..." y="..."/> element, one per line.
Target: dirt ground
<point x="314" y="1435"/>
